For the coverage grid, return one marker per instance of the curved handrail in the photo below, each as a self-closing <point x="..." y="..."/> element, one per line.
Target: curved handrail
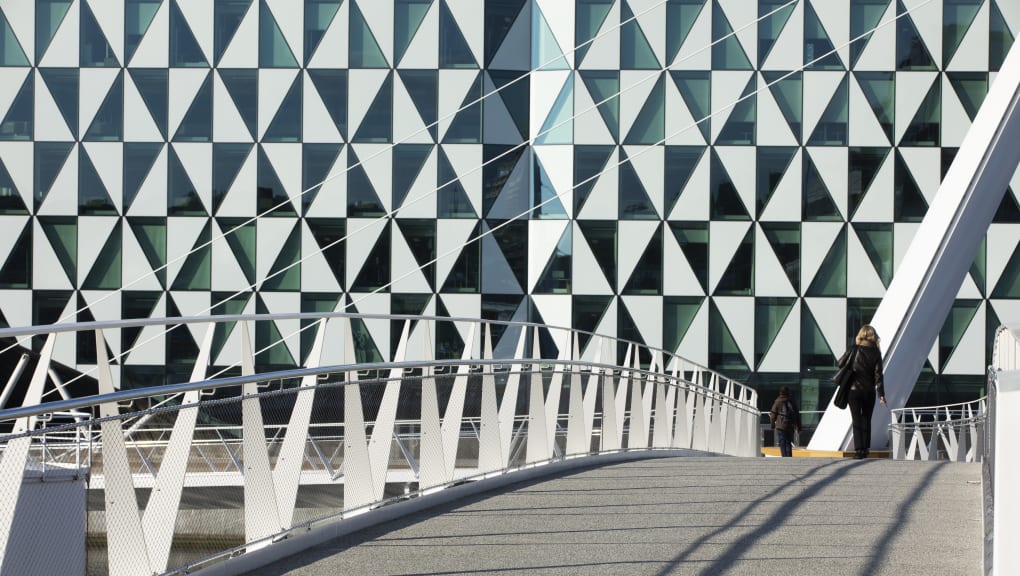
<point x="950" y="431"/>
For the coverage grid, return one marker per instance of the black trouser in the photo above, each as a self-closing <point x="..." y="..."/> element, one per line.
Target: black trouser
<point x="862" y="404"/>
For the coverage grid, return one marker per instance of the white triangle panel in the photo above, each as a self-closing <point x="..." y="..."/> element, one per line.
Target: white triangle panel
<point x="927" y="17"/>
<point x="727" y="88"/>
<point x="182" y="234"/>
<point x="560" y="17"/>
<point x="692" y="54"/>
<point x="47" y="271"/>
<point x="773" y="129"/>
<point x="769" y="277"/>
<point x="423" y="51"/>
<point x="604" y="49"/>
<point x="724" y="238"/>
<point x="196" y="158"/>
<point x="784" y="353"/>
<point x="903" y="235"/>
<point x="290" y="18"/>
<point x="408" y="126"/>
<point x="864" y="129"/>
<point x="273" y="234"/>
<point x="379" y="17"/>
<point x="290" y="330"/>
<point x="193" y="303"/>
<point x="199" y="15"/>
<point x="242" y="52"/>
<point x="108" y="158"/>
<point x="286" y="161"/>
<point x="681" y="125"/>
<point x="786" y="202"/>
<point x="184" y="86"/>
<point x="972" y="53"/>
<point x="830" y="314"/>
<point x="925" y="166"/>
<point x="274" y="86"/>
<point x="10" y="230"/>
<point x="911" y="89"/>
<point x="407" y="276"/>
<point x="94" y="85"/>
<point x="738" y="313"/>
<point x="466" y="159"/>
<point x="318" y="125"/>
<point x="451" y="236"/>
<point x="638" y="85"/>
<point x="137" y="272"/>
<point x="316" y="274"/>
<point x="648" y="163"/>
<point x="880" y="51"/>
<point x="543" y="237"/>
<point x="17" y="157"/>
<point x="589" y="126"/>
<point x="788" y="51"/>
<point x="151" y="197"/>
<point x="377" y="162"/>
<point x="369" y="81"/>
<point x="420" y="201"/>
<point x="140" y="126"/>
<point x="695" y="199"/>
<point x="646" y="312"/>
<point x="62" y="199"/>
<point x="740" y="162"/>
<point x="744" y="24"/>
<point x="955" y="121"/>
<point x="679" y="278"/>
<point x="1001" y="241"/>
<point x="587" y="275"/>
<point x="819" y="88"/>
<point x="239" y="201"/>
<point x="879" y="200"/>
<point x="331" y="198"/>
<point x="632" y="240"/>
<point x="228" y="125"/>
<point x="816" y="240"/>
<point x="556" y="311"/>
<point x="969" y="355"/>
<point x="21" y="16"/>
<point x="362" y="237"/>
<point x="105" y="306"/>
<point x="969" y="289"/>
<point x="836" y="21"/>
<point x="154" y="49"/>
<point x="694" y="345"/>
<point x="93" y="232"/>
<point x="227" y="275"/>
<point x="150" y="347"/>
<point x="862" y="278"/>
<point x="16" y="306"/>
<point x="833" y="167"/>
<point x="110" y="17"/>
<point x="49" y="122"/>
<point x="63" y="49"/>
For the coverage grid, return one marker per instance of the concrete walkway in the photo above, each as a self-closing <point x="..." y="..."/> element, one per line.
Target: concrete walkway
<point x="691" y="515"/>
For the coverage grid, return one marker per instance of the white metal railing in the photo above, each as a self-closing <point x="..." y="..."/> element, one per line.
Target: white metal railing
<point x="232" y="464"/>
<point x="1001" y="466"/>
<point x="950" y="432"/>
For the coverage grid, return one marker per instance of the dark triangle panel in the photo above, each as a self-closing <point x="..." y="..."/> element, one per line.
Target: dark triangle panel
<point x="549" y="347"/>
<point x="94" y="49"/>
<point x="547" y="202"/>
<point x="818" y="204"/>
<point x="627" y="331"/>
<point x="105" y="273"/>
<point x="589" y="163"/>
<point x="738" y="279"/>
<point x="955" y="326"/>
<point x="227" y="162"/>
<point x="879" y="89"/>
<point x="451" y="199"/>
<point x="454" y="51"/>
<point x="646" y="279"/>
<point x="49" y="161"/>
<point x="362" y="199"/>
<point x="466" y="274"/>
<point x="601" y="236"/>
<point x="449" y="344"/>
<point x="226" y="303"/>
<point x="971" y="88"/>
<point x="924" y="129"/>
<point x="138" y="161"/>
<point x="241" y="238"/>
<point x="739" y="129"/>
<point x="197" y="123"/>
<point x="815" y="350"/>
<point x="864" y="166"/>
<point x="680" y="19"/>
<point x="329" y="234"/>
<point x="723" y="353"/>
<point x="137" y="304"/>
<point x="184" y="49"/>
<point x="695" y="88"/>
<point x="317" y="161"/>
<point x="108" y="123"/>
<point x="864" y="17"/>
<point x="423" y="88"/>
<point x="692" y="237"/>
<point x="363" y="49"/>
<point x="784" y="237"/>
<point x="11" y="52"/>
<point x="286" y="124"/>
<point x="499" y="20"/>
<point x="243" y="87"/>
<point x="909" y="204"/>
<point x="832" y="127"/>
<point x="634" y="203"/>
<point x="17" y="268"/>
<point x="678" y="314"/>
<point x="516" y="97"/>
<point x="830" y="280"/>
<point x="274" y="351"/>
<point x="604" y="87"/>
<point x="680" y="164"/>
<point x="513" y="245"/>
<point x="726" y="202"/>
<point x="770" y="315"/>
<point x="727" y="53"/>
<point x="62" y="233"/>
<point x="332" y="88"/>
<point x="819" y="52"/>
<point x="367" y="349"/>
<point x="63" y="86"/>
<point x="774" y="15"/>
<point x="773" y="162"/>
<point x="196" y="273"/>
<point x="504" y="183"/>
<point x="635" y="52"/>
<point x="911" y="51"/>
<point x="317" y="22"/>
<point x="1009" y="210"/>
<point x="787" y="90"/>
<point x="10" y="198"/>
<point x="556" y="277"/>
<point x="93" y="197"/>
<point x="19" y="122"/>
<point x="498" y="278"/>
<point x="410" y="158"/>
<point x="466" y="127"/>
<point x="375" y="273"/>
<point x="590" y="18"/>
<point x="420" y="236"/>
<point x="182" y="197"/>
<point x="285" y="273"/>
<point x="271" y="196"/>
<point x="150" y="233"/>
<point x="227" y="17"/>
<point x="587" y="313"/>
<point x="274" y="52"/>
<point x="377" y="125"/>
<point x="650" y="125"/>
<point x="1000" y="38"/>
<point x="153" y="87"/>
<point x="877" y="240"/>
<point x="959" y="16"/>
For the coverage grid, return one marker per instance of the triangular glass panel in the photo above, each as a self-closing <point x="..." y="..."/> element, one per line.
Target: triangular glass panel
<point x="63" y="86"/>
<point x="770" y="315"/>
<point x="105" y="273"/>
<point x="377" y="125"/>
<point x="319" y="303"/>
<point x="693" y="240"/>
<point x="816" y="354"/>
<point x="788" y="91"/>
<point x="10" y="197"/>
<point x="408" y="16"/>
<point x="226" y="303"/>
<point x="678" y="314"/>
<point x="1008" y="285"/>
<point x="451" y="199"/>
<point x="363" y="50"/>
<point x="466" y="127"/>
<point x="1009" y="210"/>
<point x="646" y="278"/>
<point x="332" y="88"/>
<point x="784" y="237"/>
<point x="272" y="348"/>
<point x="138" y="161"/>
<point x="329" y="236"/>
<point x="696" y="89"/>
<point x="285" y="273"/>
<point x="94" y="50"/>
<point x="979" y="267"/>
<point x="830" y="280"/>
<point x="274" y="52"/>
<point x="909" y="204"/>
<point x="454" y="51"/>
<point x="635" y="52"/>
<point x="727" y="53"/>
<point x="957" y="321"/>
<point x="957" y="16"/>
<point x="227" y="162"/>
<point x="408" y="161"/>
<point x="17" y="270"/>
<point x="880" y="90"/>
<point x="19" y="122"/>
<point x="924" y="129"/>
<point x="819" y="53"/>
<point x="680" y="18"/>
<point x="49" y="14"/>
<point x="196" y="273"/>
<point x="184" y="49"/>
<point x="590" y="15"/>
<point x="831" y="129"/>
<point x="367" y="350"/>
<point x="589" y="163"/>
<point x="911" y="51"/>
<point x="627" y="331"/>
<point x="515" y="90"/>
<point x="11" y="53"/>
<point x="634" y="203"/>
<point x="466" y="274"/>
<point x="375" y="273"/>
<point x="587" y="313"/>
<point x="601" y="236"/>
<point x="272" y="198"/>
<point x="558" y="127"/>
<point x="93" y="197"/>
<point x="137" y="304"/>
<point x="877" y="240"/>
<point x="773" y="16"/>
<point x="498" y="166"/>
<point x="726" y="202"/>
<point x="680" y="163"/>
<point x="49" y="160"/>
<point x="319" y="14"/>
<point x="723" y="353"/>
<point x="317" y="161"/>
<point x="650" y="125"/>
<point x="1000" y="38"/>
<point x="738" y="279"/>
<point x="864" y="18"/>
<point x="242" y="85"/>
<point x="546" y="200"/>
<point x="197" y="123"/>
<point x="420" y="235"/>
<point x="152" y="85"/>
<point x="405" y="305"/>
<point x="971" y="88"/>
<point x="604" y="87"/>
<point x="150" y="234"/>
<point x="108" y="123"/>
<point x="182" y="197"/>
<point x="362" y="199"/>
<point x="739" y="129"/>
<point x="818" y="203"/>
<point x="773" y="161"/>
<point x="227" y="17"/>
<point x="508" y="238"/>
<point x="240" y="234"/>
<point x="286" y="124"/>
<point x="864" y="166"/>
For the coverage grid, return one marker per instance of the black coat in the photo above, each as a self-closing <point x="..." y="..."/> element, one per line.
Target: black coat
<point x="867" y="367"/>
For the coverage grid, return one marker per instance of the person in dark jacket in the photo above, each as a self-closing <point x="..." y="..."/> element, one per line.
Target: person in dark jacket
<point x="866" y="382"/>
<point x="785" y="418"/>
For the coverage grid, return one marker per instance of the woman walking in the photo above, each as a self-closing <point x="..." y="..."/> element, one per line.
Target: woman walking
<point x="866" y="381"/>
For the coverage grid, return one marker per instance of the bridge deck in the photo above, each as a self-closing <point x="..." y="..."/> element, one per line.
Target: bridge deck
<point x="692" y="515"/>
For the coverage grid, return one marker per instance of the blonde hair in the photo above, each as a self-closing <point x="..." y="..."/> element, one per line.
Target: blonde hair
<point x="867" y="336"/>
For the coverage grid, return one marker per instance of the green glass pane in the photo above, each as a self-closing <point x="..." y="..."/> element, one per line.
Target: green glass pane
<point x="108" y="123"/>
<point x="269" y="340"/>
<point x="830" y="280"/>
<point x="634" y="203"/>
<point x="693" y="240"/>
<point x="11" y="53"/>
<point x="1008" y="285"/>
<point x="241" y="236"/>
<point x="819" y="52"/>
<point x="318" y="16"/>
<point x="184" y="49"/>
<point x="48" y="16"/>
<point x="726" y="203"/>
<point x="589" y="17"/>
<point x="957" y="16"/>
<point x="1000" y="39"/>
<point x="466" y="127"/>
<point x="63" y="86"/>
<point x="773" y="14"/>
<point x="727" y="53"/>
<point x="678" y="313"/>
<point x="788" y="91"/>
<point x="589" y="162"/>
<point x="818" y="203"/>
<point x="422" y="87"/>
<point x="957" y="321"/>
<point x="979" y="267"/>
<point x="831" y="129"/>
<point x="924" y="128"/>
<point x="454" y="51"/>
<point x="285" y="273"/>
<point x="408" y="161"/>
<point x="911" y="51"/>
<point x="466" y="274"/>
<point x="375" y="274"/>
<point x="815" y="351"/>
<point x="635" y="52"/>
<point x="880" y="90"/>
<point x="586" y="313"/>
<point x="152" y="84"/>
<point x="723" y="353"/>
<point x="420" y="236"/>
<point x="909" y="204"/>
<point x="696" y="89"/>
<point x="864" y="166"/>
<point x="329" y="234"/>
<point x="17" y="269"/>
<point x="546" y="201"/>
<point x="971" y="88"/>
<point x="365" y="349"/>
<point x="646" y="278"/>
<point x="197" y="123"/>
<point x="10" y="198"/>
<point x="877" y="240"/>
<point x="739" y="129"/>
<point x="604" y="87"/>
<point x="769" y="316"/>
<point x="680" y="18"/>
<point x="227" y="16"/>
<point x="271" y="196"/>
<point x="738" y="279"/>
<point x="94" y="50"/>
<point x="274" y="52"/>
<point x="773" y="161"/>
<point x="363" y="49"/>
<point x="601" y="238"/>
<point x="332" y="88"/>
<point x="558" y="127"/>
<point x="498" y="166"/>
<point x="286" y="124"/>
<point x="49" y="160"/>
<point x="227" y="162"/>
<point x="377" y="123"/>
<point x="151" y="236"/>
<point x="93" y="197"/>
<point x="784" y="237"/>
<point x="106" y="271"/>
<point x="680" y="163"/>
<point x="138" y="161"/>
<point x="19" y="122"/>
<point x="451" y="199"/>
<point x="362" y="199"/>
<point x="864" y="17"/>
<point x="318" y="161"/>
<point x="182" y="196"/>
<point x="196" y="273"/>
<point x="650" y="125"/>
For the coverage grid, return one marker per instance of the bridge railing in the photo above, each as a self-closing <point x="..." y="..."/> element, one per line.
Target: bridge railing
<point x="950" y="432"/>
<point x="175" y="478"/>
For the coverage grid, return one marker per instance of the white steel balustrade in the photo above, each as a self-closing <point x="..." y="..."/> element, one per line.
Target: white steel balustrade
<point x="231" y="465"/>
<point x="950" y="432"/>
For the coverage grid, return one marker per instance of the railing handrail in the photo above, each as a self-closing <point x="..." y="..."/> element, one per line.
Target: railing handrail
<point x="942" y="408"/>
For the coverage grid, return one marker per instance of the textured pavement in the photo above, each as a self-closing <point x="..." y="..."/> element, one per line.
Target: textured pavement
<point x="689" y="515"/>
